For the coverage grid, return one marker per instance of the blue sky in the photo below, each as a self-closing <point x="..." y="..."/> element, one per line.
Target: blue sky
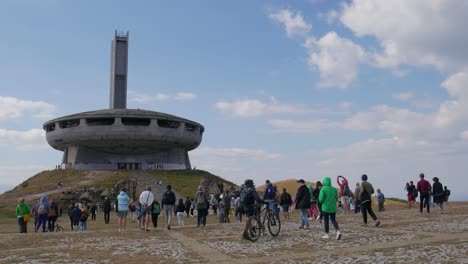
<point x="304" y="89"/>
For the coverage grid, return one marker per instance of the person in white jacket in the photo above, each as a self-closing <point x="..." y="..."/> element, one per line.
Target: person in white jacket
<point x="146" y="200"/>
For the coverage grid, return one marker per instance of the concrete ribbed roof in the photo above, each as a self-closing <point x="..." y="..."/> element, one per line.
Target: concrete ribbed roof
<point x="123" y="113"/>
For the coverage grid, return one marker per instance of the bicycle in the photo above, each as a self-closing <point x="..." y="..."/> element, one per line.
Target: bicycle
<point x="256" y="223"/>
<point x="58" y="227"/>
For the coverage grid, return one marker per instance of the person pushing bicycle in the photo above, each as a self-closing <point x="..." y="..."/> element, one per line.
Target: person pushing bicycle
<point x="248" y="197"/>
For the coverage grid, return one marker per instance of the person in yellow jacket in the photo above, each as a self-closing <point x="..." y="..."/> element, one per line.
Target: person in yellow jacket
<point x="22" y="214"/>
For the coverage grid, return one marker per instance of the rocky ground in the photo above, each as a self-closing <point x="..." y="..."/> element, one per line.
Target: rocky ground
<point x="403" y="237"/>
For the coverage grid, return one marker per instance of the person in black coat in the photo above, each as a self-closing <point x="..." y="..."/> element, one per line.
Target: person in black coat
<point x="106" y="208"/>
<point x="438" y="194"/>
<point x="303" y="203"/>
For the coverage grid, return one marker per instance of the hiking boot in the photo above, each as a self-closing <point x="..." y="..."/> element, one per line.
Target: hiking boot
<point x="168" y="227"/>
<point x="338" y="235"/>
<point x="377" y="223"/>
<point x="306" y="228"/>
<point x="326" y="236"/>
<point x="301" y="227"/>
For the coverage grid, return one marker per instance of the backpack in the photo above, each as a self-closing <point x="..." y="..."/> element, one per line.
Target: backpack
<point x="169" y="197"/>
<point x="415" y="193"/>
<point x="346" y="191"/>
<point x="156" y="209"/>
<point x="246" y="197"/>
<point x="285" y="199"/>
<point x="52" y="212"/>
<point x="270" y="193"/>
<point x="41" y="209"/>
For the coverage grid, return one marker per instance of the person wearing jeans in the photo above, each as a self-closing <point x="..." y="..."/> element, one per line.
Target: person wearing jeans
<point x="167" y="203"/>
<point x="201" y="203"/>
<point x="328" y="197"/>
<point x="303" y="203"/>
<point x="424" y="188"/>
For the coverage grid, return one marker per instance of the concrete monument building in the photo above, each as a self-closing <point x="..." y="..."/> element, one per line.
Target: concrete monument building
<point x="121" y="138"/>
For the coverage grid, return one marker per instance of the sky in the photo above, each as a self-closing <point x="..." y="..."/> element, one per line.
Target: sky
<point x="296" y="89"/>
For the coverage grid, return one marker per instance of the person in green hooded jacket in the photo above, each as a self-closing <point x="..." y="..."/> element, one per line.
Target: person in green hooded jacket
<point x="328" y="197"/>
<point x="22" y="213"/>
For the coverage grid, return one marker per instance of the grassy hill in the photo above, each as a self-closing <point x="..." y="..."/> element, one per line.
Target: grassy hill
<point x="185" y="182"/>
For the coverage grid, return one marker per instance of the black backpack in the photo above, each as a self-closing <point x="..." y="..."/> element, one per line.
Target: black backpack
<point x="246" y="197"/>
<point x="346" y="191"/>
<point x="285" y="199"/>
<point x="169" y="198"/>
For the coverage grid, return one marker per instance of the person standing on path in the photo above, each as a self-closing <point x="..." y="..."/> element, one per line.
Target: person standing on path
<point x="167" y="203"/>
<point x="146" y="200"/>
<point x="380" y="200"/>
<point x="156" y="210"/>
<point x="344" y="192"/>
<point x="328" y="197"/>
<point x="201" y="203"/>
<point x="122" y="206"/>
<point x="303" y="203"/>
<point x="227" y="206"/>
<point x="42" y="213"/>
<point x="366" y="202"/>
<point x="187" y="204"/>
<point x="285" y="203"/>
<point x="424" y="188"/>
<point x="22" y="214"/>
<point x="106" y="208"/>
<point x="439" y="194"/>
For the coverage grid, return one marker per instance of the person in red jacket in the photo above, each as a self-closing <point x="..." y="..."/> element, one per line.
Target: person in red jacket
<point x="424" y="189"/>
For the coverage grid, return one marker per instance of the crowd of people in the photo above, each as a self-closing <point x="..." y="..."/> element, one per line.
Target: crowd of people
<point x="315" y="203"/>
<point x="428" y="194"/>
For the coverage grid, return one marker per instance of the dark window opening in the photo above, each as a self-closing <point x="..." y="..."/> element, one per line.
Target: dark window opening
<point x="190" y="127"/>
<point x="50" y="127"/>
<point x="168" y="123"/>
<point x="129" y="166"/>
<point x="128" y="121"/>
<point x="100" y="121"/>
<point x="69" y="123"/>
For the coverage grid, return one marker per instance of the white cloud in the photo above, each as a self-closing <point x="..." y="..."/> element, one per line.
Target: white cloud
<point x="159" y="97"/>
<point x="336" y="58"/>
<point x="235" y="164"/>
<point x="184" y="96"/>
<point x="255" y="108"/>
<point x="235" y="153"/>
<point x="423" y="32"/>
<point x="11" y="108"/>
<point x="293" y="22"/>
<point x="23" y="140"/>
<point x="301" y="126"/>
<point x="403" y="96"/>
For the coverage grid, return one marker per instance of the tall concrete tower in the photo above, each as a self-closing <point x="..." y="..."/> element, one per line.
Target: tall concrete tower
<point x="119" y="65"/>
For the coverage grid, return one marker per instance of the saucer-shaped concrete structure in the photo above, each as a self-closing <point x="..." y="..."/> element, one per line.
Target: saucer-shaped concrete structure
<point x="120" y="138"/>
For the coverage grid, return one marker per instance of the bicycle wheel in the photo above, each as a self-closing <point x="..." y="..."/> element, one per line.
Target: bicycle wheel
<point x="58" y="228"/>
<point x="274" y="224"/>
<point x="253" y="233"/>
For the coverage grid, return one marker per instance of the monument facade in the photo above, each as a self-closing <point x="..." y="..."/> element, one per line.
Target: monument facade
<point x="121" y="138"/>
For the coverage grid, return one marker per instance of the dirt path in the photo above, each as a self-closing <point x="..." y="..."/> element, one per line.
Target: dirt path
<point x="404" y="237"/>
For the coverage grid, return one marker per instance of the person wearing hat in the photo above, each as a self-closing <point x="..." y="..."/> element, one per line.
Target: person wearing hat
<point x="366" y="202"/>
<point x="303" y="203"/>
